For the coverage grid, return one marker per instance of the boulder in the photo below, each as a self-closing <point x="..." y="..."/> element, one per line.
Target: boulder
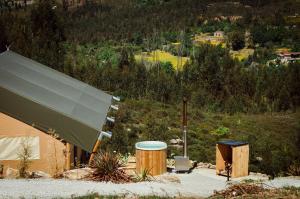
<point x="206" y="165"/>
<point x="173" y="141"/>
<point x="179" y="141"/>
<point x="212" y="166"/>
<point x="259" y="159"/>
<point x="12" y="173"/>
<point x="77" y="174"/>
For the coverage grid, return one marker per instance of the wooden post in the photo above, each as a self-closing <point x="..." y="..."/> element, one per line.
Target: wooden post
<point x="78" y="155"/>
<point x="68" y="156"/>
<point x="95" y="149"/>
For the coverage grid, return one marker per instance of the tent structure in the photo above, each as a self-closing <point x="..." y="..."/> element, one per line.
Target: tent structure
<point x="45" y="152"/>
<point x="52" y="101"/>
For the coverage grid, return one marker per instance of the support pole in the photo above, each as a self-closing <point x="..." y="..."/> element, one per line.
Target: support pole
<point x="68" y="156"/>
<point x="78" y="155"/>
<point x="95" y="149"/>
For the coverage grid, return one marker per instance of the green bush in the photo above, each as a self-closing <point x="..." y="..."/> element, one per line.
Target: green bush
<point x="221" y="131"/>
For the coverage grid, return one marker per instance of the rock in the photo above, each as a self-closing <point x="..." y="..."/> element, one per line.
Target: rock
<point x="179" y="141"/>
<point x="212" y="166"/>
<point x="206" y="165"/>
<point x="259" y="159"/>
<point x="173" y="141"/>
<point x="12" y="173"/>
<point x="77" y="174"/>
<point x="40" y="174"/>
<point x="259" y="174"/>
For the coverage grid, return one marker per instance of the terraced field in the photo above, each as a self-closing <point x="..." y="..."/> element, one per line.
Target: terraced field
<point x="162" y="56"/>
<point x="206" y="38"/>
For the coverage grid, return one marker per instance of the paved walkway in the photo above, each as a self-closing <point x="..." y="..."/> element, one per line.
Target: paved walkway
<point x="200" y="183"/>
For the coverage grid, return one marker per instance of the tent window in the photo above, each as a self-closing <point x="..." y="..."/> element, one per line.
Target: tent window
<point x="11" y="147"/>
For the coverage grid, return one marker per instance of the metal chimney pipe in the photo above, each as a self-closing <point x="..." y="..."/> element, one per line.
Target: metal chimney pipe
<point x="184" y="126"/>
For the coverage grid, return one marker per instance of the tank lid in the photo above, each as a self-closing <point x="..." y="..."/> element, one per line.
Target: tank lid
<point x="151" y="145"/>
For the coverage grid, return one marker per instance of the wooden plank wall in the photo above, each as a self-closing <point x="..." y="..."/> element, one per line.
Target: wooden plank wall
<point x="155" y="161"/>
<point x="240" y="158"/>
<point x="223" y="153"/>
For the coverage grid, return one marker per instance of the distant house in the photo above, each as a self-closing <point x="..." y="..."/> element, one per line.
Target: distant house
<point x="219" y="34"/>
<point x="288" y="57"/>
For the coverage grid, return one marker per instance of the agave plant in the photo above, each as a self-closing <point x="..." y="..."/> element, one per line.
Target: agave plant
<point x="107" y="168"/>
<point x="144" y="176"/>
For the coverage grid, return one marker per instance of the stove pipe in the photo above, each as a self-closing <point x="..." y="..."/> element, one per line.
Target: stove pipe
<point x="184" y="126"/>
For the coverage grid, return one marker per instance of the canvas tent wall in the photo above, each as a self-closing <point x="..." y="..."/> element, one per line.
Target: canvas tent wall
<point x="49" y="100"/>
<point x="47" y="154"/>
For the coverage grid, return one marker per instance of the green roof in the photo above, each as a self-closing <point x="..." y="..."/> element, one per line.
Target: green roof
<point x="50" y="100"/>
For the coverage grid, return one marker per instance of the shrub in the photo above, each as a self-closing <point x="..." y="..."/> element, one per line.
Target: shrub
<point x="236" y="40"/>
<point x="107" y="168"/>
<point x="294" y="169"/>
<point x="24" y="155"/>
<point x="221" y="131"/>
<point x="144" y="176"/>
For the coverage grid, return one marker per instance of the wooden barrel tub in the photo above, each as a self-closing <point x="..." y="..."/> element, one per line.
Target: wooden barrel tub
<point x="151" y="155"/>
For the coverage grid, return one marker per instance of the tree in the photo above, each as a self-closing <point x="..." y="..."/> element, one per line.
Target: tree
<point x="236" y="40"/>
<point x="167" y="67"/>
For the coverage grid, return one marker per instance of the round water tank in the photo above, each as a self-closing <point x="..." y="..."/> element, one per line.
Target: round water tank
<point x="151" y="155"/>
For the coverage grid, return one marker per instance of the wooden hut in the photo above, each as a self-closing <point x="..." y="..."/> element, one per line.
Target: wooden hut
<point x="232" y="156"/>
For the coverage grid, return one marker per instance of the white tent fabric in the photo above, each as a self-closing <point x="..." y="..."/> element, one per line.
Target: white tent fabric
<point x="11" y="147"/>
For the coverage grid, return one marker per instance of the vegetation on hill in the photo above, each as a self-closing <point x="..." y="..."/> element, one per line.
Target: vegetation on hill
<point x="273" y="137"/>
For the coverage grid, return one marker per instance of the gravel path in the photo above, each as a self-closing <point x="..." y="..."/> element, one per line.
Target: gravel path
<point x="200" y="183"/>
